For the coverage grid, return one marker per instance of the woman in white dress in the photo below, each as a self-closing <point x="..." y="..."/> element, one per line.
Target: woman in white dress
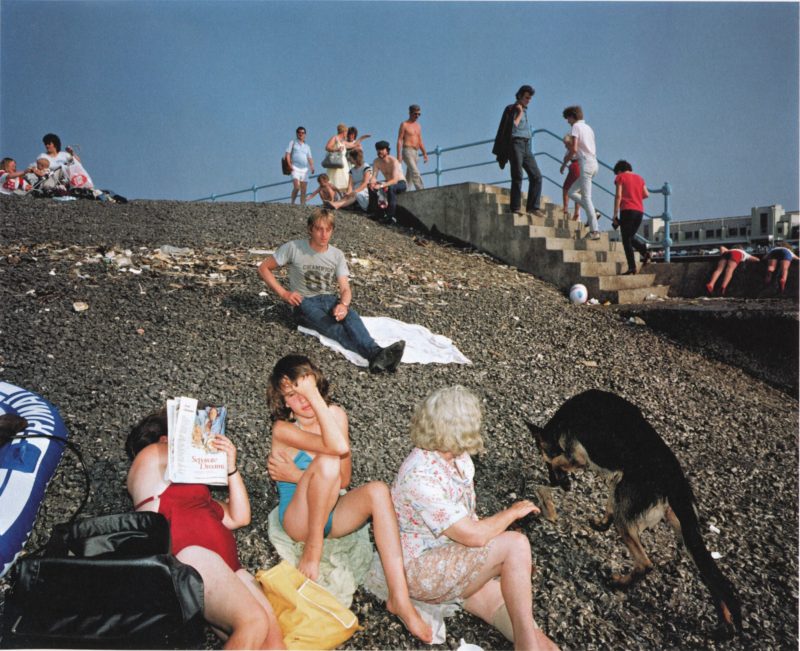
<point x="340" y="176"/>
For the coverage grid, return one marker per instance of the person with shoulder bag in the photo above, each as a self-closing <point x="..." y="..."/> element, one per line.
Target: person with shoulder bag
<point x="297" y="162"/>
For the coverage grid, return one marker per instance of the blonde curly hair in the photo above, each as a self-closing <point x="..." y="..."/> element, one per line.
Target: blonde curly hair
<point x="448" y="420"/>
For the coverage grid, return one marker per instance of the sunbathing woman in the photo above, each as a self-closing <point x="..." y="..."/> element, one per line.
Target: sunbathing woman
<point x="311" y="462"/>
<point x="200" y="528"/>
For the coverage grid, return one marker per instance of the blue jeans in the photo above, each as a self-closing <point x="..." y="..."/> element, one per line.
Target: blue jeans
<point x="391" y="196"/>
<point x="581" y="191"/>
<point x="522" y="158"/>
<point x="315" y="313"/>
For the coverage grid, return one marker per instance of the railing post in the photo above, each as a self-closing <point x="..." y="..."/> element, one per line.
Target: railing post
<point x="213" y="197"/>
<point x="667" y="217"/>
<point x="438" y="153"/>
<point x="255" y="192"/>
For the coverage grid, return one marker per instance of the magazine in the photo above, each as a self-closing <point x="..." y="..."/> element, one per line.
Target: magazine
<point x="191" y="459"/>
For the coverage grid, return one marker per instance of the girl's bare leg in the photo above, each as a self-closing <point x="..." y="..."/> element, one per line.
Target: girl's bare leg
<point x="307" y="513"/>
<point x="354" y="509"/>
<point x="510" y="558"/>
<point x="785" y="264"/>
<point x="714" y="276"/>
<point x="228" y="605"/>
<point x="729" y="269"/>
<point x="347" y="200"/>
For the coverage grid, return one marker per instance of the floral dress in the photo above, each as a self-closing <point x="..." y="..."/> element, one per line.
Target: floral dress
<point x="431" y="494"/>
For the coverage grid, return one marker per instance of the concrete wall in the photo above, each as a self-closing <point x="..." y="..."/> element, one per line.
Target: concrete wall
<point x="460" y="211"/>
<point x="688" y="279"/>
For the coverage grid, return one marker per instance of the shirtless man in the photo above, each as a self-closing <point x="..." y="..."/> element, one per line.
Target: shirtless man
<point x="394" y="182"/>
<point x="409" y="144"/>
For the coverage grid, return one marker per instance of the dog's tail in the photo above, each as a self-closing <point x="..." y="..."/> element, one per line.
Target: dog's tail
<point x="728" y="605"/>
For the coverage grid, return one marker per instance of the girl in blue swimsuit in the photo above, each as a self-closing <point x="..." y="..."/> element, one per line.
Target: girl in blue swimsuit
<point x="311" y="462"/>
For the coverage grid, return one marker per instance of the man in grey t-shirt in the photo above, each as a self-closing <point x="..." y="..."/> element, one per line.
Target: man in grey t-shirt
<point x="316" y="271"/>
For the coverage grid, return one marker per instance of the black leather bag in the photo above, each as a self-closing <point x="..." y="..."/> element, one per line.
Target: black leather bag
<point x="105" y="582"/>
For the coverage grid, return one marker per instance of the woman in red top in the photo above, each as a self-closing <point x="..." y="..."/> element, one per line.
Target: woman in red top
<point x="628" y="212"/>
<point x="200" y="528"/>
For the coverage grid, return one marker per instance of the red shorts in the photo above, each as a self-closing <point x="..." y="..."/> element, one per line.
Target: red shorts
<point x="573" y="174"/>
<point x="737" y="255"/>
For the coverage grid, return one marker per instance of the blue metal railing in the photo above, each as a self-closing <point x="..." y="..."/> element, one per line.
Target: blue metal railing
<point x="438" y="171"/>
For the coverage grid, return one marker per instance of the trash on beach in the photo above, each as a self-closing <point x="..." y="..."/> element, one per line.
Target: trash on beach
<point x="635" y="320"/>
<point x="589" y="363"/>
<point x="716" y="555"/>
<point x="168" y="249"/>
<point x="80" y="306"/>
<point x="713" y="529"/>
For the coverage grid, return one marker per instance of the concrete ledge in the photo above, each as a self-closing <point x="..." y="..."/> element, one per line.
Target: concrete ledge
<point x="688" y="279"/>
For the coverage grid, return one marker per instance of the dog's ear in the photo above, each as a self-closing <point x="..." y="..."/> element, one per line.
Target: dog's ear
<point x="538" y="432"/>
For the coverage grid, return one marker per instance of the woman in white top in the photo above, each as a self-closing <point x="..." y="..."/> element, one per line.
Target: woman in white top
<point x="357" y="188"/>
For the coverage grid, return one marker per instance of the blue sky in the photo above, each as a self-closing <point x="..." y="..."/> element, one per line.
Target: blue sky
<point x="183" y="99"/>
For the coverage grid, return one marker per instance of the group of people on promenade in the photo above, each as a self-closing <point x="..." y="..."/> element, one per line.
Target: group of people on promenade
<point x="348" y="179"/>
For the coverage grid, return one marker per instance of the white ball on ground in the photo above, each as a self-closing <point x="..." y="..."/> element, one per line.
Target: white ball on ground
<point x="578" y="294"/>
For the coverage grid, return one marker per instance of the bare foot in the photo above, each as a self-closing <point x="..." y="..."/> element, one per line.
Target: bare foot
<point x="411" y="620"/>
<point x="309" y="561"/>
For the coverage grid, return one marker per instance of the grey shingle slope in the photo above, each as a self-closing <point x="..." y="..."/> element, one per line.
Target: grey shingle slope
<point x="196" y="325"/>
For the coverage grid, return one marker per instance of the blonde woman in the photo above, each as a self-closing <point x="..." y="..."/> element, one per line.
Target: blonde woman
<point x="449" y="552"/>
<point x="340" y="176"/>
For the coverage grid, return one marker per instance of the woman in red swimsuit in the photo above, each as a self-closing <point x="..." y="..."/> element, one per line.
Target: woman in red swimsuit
<point x="201" y="527"/>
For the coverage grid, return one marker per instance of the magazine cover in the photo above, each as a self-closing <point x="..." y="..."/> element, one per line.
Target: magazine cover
<point x="191" y="459"/>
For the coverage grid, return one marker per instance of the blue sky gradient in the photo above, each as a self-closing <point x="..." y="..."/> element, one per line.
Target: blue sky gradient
<point x="180" y="100"/>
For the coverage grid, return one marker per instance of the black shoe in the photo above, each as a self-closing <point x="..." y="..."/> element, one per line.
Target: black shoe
<point x="388" y="359"/>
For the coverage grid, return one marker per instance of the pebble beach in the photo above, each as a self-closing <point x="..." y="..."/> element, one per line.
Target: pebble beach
<point x="108" y="310"/>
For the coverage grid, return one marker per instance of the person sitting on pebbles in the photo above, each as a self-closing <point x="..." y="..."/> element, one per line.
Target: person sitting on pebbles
<point x="449" y="552"/>
<point x="326" y="191"/>
<point x="316" y="271"/>
<point x="311" y="461"/>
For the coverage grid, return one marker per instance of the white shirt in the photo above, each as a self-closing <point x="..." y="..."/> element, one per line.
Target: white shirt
<point x="301" y="152"/>
<point x="61" y="158"/>
<point x="583" y="132"/>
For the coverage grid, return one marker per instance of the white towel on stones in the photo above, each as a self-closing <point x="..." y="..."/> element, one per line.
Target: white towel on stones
<point x="422" y="346"/>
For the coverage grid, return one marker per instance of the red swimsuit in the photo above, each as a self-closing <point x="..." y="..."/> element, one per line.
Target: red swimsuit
<point x="196" y="519"/>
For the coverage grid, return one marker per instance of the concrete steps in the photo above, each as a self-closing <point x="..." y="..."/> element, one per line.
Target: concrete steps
<point x="548" y="244"/>
<point x="598" y="264"/>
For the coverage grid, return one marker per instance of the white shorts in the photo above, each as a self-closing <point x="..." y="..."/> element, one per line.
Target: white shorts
<point x="300" y="173"/>
<point x="363" y="199"/>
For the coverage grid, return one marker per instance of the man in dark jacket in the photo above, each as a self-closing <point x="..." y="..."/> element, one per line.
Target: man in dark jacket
<point x="513" y="144"/>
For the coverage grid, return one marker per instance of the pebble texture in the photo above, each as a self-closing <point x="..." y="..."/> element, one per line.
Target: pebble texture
<point x="196" y="323"/>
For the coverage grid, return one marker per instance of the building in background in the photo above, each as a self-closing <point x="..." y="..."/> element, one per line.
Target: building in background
<point x="758" y="230"/>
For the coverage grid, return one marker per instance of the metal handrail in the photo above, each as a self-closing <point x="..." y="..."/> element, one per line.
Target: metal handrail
<point x="665" y="190"/>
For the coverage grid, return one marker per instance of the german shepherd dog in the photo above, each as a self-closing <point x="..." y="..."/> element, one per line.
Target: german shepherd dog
<point x="606" y="433"/>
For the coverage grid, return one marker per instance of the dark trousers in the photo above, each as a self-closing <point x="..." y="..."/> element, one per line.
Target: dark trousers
<point x="391" y="197"/>
<point x="522" y="159"/>
<point x="629" y="222"/>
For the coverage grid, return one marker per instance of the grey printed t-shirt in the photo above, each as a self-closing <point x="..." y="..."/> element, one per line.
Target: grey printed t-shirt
<point x="312" y="273"/>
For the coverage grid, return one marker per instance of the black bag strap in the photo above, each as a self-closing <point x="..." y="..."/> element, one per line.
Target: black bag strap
<point x="72" y="447"/>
